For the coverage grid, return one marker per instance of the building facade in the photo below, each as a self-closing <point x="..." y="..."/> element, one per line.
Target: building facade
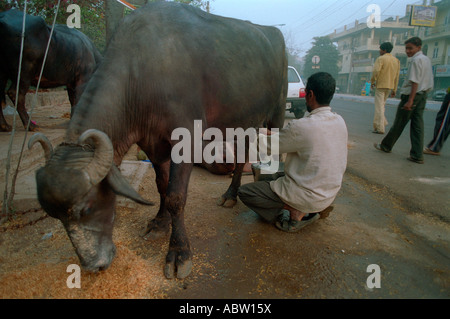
<point x="359" y="44"/>
<point x="436" y="45"/>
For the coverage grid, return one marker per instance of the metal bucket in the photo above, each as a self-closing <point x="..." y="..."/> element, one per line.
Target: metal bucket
<point x="261" y="173"/>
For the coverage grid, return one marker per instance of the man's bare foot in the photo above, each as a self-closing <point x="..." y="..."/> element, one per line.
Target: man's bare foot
<point x="295" y="214"/>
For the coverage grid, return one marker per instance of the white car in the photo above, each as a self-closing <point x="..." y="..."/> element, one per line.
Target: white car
<point x="295" y="100"/>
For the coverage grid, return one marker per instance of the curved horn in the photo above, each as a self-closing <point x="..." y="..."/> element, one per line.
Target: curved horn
<point x="45" y="143"/>
<point x="100" y="165"/>
<point x="120" y="186"/>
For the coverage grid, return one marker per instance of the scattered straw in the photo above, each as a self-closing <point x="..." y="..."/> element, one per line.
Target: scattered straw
<point x="129" y="276"/>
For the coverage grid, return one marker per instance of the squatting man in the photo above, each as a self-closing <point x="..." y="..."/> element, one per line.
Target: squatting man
<point x="316" y="148"/>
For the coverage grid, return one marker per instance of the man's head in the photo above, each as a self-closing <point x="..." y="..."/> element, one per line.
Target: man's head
<point x="320" y="89"/>
<point x="386" y="47"/>
<point x="412" y="46"/>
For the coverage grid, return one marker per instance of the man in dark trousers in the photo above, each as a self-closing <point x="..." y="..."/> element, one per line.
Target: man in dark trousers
<point x="418" y="82"/>
<point x="441" y="128"/>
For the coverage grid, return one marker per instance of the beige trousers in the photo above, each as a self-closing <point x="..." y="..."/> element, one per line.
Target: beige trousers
<point x="379" y="120"/>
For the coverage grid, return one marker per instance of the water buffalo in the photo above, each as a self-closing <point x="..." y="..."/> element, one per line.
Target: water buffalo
<point x="168" y="66"/>
<point x="71" y="61"/>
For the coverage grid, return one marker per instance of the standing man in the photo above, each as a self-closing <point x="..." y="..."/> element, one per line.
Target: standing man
<point x="441" y="128"/>
<point x="316" y="148"/>
<point x="385" y="76"/>
<point x="418" y="82"/>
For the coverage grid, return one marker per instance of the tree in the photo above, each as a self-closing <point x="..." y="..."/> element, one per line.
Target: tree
<point x="324" y="48"/>
<point x="92" y="15"/>
<point x="99" y="18"/>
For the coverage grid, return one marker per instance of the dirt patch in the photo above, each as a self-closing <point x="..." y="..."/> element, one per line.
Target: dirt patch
<point x="128" y="277"/>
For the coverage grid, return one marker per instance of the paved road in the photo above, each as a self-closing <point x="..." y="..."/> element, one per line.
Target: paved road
<point x="424" y="187"/>
<point x="383" y="218"/>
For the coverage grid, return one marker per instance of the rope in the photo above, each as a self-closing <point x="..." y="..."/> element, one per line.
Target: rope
<point x="5" y="207"/>
<point x="8" y="200"/>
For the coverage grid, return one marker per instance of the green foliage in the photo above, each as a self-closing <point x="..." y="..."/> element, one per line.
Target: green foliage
<point x="92" y="15"/>
<point x="329" y="55"/>
<point x="93" y="20"/>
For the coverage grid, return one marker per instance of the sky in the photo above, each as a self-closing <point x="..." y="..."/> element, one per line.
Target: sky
<point x="302" y="20"/>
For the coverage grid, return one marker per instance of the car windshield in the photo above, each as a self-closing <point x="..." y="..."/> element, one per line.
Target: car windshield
<point x="292" y="76"/>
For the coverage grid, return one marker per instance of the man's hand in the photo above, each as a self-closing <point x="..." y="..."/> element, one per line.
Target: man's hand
<point x="393" y="93"/>
<point x="408" y="106"/>
<point x="264" y="131"/>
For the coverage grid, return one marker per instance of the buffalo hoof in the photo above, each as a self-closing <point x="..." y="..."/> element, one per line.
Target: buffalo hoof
<point x="178" y="265"/>
<point x="226" y="202"/>
<point x="33" y="127"/>
<point x="5" y="128"/>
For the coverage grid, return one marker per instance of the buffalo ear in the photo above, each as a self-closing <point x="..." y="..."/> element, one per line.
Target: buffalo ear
<point x="121" y="187"/>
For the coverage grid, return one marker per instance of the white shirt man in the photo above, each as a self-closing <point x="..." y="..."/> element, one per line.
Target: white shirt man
<point x="316" y="148"/>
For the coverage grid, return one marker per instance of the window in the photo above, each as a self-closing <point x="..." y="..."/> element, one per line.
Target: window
<point x="292" y="76"/>
<point x="435" y="53"/>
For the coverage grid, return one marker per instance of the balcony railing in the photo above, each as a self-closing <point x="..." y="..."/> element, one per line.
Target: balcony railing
<point x="386" y="22"/>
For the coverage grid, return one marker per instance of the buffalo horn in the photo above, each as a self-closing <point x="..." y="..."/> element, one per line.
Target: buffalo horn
<point x="121" y="187"/>
<point x="100" y="165"/>
<point x="45" y="143"/>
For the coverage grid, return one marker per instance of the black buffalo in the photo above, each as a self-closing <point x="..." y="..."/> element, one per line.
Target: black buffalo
<point x="72" y="59"/>
<point x="168" y="65"/>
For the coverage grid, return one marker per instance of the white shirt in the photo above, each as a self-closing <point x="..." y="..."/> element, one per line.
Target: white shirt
<point x="316" y="160"/>
<point x="420" y="72"/>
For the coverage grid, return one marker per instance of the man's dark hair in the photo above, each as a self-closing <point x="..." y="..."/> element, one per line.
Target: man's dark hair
<point x="323" y="85"/>
<point x="386" y="46"/>
<point x="415" y="41"/>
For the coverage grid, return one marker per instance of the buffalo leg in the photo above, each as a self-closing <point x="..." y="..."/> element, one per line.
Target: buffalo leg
<point x="160" y="225"/>
<point x="74" y="93"/>
<point x="4" y="127"/>
<point x="179" y="257"/>
<point x="71" y="95"/>
<point x="229" y="199"/>
<point x="23" y="88"/>
<point x="23" y="111"/>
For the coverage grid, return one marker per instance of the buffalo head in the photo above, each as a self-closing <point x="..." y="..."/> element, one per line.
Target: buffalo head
<point x="78" y="186"/>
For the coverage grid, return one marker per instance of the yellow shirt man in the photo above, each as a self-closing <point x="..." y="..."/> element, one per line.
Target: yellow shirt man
<point x="385" y="76"/>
